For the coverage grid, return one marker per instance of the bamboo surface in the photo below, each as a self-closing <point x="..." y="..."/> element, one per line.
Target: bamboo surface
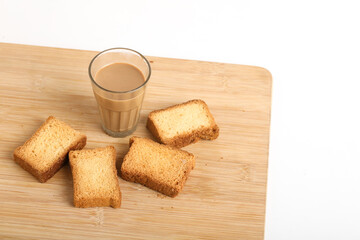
<point x="225" y="195"/>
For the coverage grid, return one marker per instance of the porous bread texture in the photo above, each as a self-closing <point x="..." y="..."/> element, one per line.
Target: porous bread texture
<point x="95" y="177"/>
<point x="46" y="151"/>
<point x="183" y="124"/>
<point x="159" y="167"/>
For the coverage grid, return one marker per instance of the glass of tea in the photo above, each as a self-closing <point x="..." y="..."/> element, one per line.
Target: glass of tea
<point x="119" y="77"/>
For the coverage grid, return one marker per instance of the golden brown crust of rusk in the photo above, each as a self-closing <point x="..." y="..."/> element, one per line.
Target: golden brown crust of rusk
<point x="152" y="183"/>
<point x="43" y="176"/>
<point x="103" y="201"/>
<point x="182" y="140"/>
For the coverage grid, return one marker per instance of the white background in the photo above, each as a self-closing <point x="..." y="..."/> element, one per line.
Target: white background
<point x="310" y="47"/>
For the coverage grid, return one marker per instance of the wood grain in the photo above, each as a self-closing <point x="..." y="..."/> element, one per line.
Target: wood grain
<point x="224" y="197"/>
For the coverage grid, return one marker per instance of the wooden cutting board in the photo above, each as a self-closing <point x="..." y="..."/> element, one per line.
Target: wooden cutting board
<point x="224" y="197"/>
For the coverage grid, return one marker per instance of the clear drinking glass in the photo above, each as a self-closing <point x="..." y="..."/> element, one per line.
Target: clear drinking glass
<point x="119" y="111"/>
